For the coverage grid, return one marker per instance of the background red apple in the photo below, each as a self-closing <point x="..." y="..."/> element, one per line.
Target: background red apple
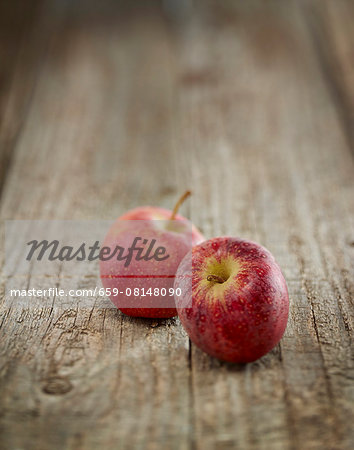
<point x="171" y="231"/>
<point x="234" y="303"/>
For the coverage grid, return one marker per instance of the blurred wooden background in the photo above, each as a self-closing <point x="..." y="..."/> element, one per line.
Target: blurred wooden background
<point x="109" y="105"/>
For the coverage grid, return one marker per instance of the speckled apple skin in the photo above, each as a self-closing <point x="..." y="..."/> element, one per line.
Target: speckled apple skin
<point x="242" y="321"/>
<point x="122" y="233"/>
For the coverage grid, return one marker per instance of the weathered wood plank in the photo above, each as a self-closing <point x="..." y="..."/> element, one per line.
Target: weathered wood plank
<point x="231" y="103"/>
<point x="276" y="175"/>
<point x="331" y="25"/>
<point x="24" y="30"/>
<point x="57" y="358"/>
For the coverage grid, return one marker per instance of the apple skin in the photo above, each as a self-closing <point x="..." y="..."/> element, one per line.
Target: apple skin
<point x="145" y="223"/>
<point x="238" y="320"/>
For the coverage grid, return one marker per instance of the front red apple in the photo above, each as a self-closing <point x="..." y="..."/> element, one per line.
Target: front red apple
<point x="234" y="300"/>
<point x="143" y="285"/>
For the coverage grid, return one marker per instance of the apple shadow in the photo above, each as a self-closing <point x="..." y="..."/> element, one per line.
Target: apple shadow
<point x="149" y="322"/>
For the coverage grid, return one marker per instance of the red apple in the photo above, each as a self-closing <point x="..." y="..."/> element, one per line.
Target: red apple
<point x="234" y="300"/>
<point x="138" y="283"/>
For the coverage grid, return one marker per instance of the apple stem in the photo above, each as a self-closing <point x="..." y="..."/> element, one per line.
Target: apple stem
<point x="179" y="203"/>
<point x="215" y="278"/>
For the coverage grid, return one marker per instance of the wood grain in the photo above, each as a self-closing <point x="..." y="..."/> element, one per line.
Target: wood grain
<point x="132" y="106"/>
<point x="332" y="29"/>
<point x="25" y="28"/>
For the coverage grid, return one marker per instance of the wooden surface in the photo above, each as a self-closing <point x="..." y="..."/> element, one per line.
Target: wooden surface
<point x="248" y="104"/>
